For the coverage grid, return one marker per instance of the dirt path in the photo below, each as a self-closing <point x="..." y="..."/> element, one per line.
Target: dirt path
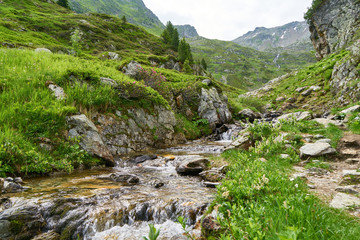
<point x="339" y="186"/>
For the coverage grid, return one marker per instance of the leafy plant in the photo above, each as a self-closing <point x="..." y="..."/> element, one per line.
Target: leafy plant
<point x="153" y="233"/>
<point x="182" y="221"/>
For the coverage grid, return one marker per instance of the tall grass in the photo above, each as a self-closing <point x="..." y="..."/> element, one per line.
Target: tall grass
<point x="29" y="112"/>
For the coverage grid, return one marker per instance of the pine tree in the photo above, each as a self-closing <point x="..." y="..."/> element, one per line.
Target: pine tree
<point x="123" y="20"/>
<point x="170" y="36"/>
<point x="182" y="50"/>
<point x="187" y="67"/>
<point x="168" y="32"/>
<point x="203" y="64"/>
<point x="175" y="40"/>
<point x="63" y="3"/>
<point x="185" y="52"/>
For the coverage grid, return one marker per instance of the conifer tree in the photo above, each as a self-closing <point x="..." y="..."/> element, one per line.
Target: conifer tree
<point x="123" y="20"/>
<point x="63" y="3"/>
<point x="185" y="52"/>
<point x="171" y="36"/>
<point x="203" y="64"/>
<point x="187" y="67"/>
<point x="175" y="40"/>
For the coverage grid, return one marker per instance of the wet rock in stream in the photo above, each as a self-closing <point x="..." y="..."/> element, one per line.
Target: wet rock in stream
<point x="192" y="166"/>
<point x="124" y="178"/>
<point x="143" y="158"/>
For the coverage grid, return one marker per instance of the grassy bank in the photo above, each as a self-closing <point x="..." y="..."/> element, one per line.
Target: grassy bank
<point x="31" y="115"/>
<point x="260" y="201"/>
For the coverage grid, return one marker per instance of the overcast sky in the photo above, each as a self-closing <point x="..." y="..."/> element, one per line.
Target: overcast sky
<point x="228" y="19"/>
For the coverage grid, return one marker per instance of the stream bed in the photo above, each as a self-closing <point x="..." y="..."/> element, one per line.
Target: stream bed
<point x="91" y="205"/>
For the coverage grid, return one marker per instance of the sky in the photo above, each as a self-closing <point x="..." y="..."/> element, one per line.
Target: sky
<point x="228" y="19"/>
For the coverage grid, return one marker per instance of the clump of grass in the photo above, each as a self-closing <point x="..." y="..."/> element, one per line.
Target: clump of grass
<point x="253" y="103"/>
<point x="192" y="129"/>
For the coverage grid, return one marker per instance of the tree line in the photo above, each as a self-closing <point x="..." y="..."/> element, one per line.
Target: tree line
<point x="171" y="37"/>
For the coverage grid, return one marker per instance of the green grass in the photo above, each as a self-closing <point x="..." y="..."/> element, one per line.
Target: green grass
<point x="318" y="74"/>
<point x="135" y="12"/>
<point x="311" y="127"/>
<point x="259" y="201"/>
<point x="29" y="112"/>
<point x="31" y="24"/>
<point x="354" y="123"/>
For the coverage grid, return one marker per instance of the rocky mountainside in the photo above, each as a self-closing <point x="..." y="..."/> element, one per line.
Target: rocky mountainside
<point x="135" y="11"/>
<point x="186" y="31"/>
<point x="334" y="80"/>
<point x="333" y="25"/>
<point x="289" y="35"/>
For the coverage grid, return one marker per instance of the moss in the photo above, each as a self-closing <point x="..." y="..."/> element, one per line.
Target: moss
<point x="16" y="226"/>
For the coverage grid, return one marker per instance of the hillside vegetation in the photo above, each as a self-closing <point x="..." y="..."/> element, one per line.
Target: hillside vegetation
<point x="244" y="67"/>
<point x="135" y="12"/>
<point x="32" y="116"/>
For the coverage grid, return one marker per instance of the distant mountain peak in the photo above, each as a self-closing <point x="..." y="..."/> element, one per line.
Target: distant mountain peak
<point x="283" y="36"/>
<point x="187" y="31"/>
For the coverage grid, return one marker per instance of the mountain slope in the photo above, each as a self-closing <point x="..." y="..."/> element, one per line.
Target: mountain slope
<point x="135" y="11"/>
<point x="334" y="81"/>
<point x="245" y="67"/>
<point x="45" y="24"/>
<point x="283" y="36"/>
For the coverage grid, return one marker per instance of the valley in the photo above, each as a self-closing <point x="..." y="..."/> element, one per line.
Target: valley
<point x="113" y="126"/>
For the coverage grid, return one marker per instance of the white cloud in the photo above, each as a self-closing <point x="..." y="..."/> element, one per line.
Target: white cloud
<point x="228" y="19"/>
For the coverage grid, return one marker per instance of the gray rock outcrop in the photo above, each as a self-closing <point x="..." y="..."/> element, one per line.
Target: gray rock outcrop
<point x="38" y="50"/>
<point x="86" y="132"/>
<point x="138" y="130"/>
<point x="298" y="116"/>
<point x="57" y="91"/>
<point x="132" y="69"/>
<point x="213" y="108"/>
<point x="316" y="149"/>
<point x="333" y="25"/>
<point x="249" y="114"/>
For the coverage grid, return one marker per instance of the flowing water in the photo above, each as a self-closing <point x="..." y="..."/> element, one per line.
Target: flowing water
<point x="90" y="205"/>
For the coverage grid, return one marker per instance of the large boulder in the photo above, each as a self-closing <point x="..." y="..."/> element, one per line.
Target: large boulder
<point x="297" y="116"/>
<point x="326" y="122"/>
<point x="213" y="108"/>
<point x="86" y="132"/>
<point x="127" y="179"/>
<point x="212" y="175"/>
<point x="343" y="200"/>
<point x="351" y="109"/>
<point x="192" y="166"/>
<point x="38" y="50"/>
<point x="109" y="81"/>
<point x="132" y="69"/>
<point x="316" y="149"/>
<point x="249" y="114"/>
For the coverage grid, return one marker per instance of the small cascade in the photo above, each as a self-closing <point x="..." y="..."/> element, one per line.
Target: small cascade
<point x="226" y="132"/>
